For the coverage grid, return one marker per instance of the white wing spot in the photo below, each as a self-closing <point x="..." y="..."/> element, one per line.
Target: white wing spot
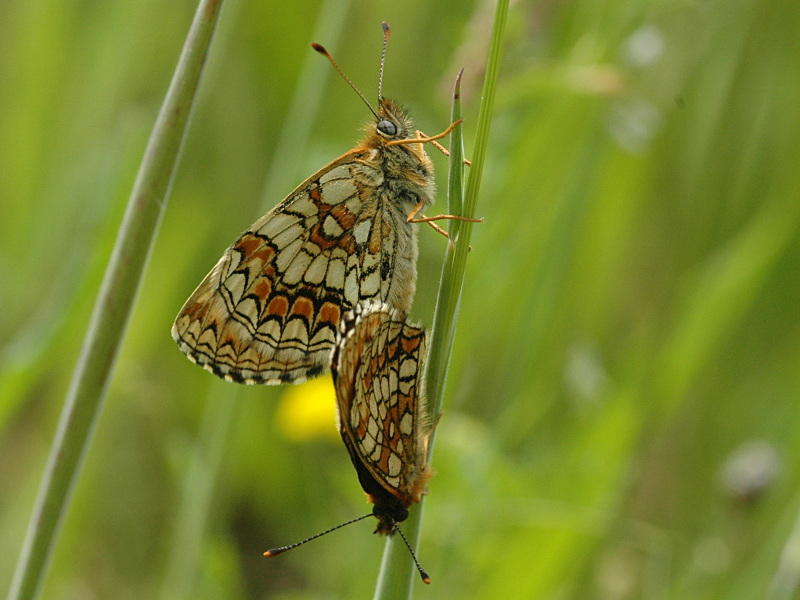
<point x="288" y="235"/>
<point x="296" y="269"/>
<point x="337" y="173"/>
<point x="361" y="232"/>
<point x="235" y="286"/>
<point x="395" y="465"/>
<point x="406" y="424"/>
<point x="331" y="227"/>
<point x="334" y="278"/>
<point x="316" y="270"/>
<point x="278" y="223"/>
<point x="285" y="257"/>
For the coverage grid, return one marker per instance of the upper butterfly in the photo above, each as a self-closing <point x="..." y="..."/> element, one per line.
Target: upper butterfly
<point x="269" y="310"/>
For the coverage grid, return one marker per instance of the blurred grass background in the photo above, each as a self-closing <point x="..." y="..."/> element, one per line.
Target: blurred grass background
<point x="622" y="405"/>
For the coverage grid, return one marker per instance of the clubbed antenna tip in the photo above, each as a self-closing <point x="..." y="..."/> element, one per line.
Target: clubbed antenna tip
<point x="321" y="49"/>
<point x="422" y="572"/>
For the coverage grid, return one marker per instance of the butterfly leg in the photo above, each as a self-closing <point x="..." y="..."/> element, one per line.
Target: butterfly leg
<point x="417" y="208"/>
<point x="412" y="218"/>
<point x="424" y="219"/>
<point x="425" y="138"/>
<point x="436" y="228"/>
<point x="439" y="147"/>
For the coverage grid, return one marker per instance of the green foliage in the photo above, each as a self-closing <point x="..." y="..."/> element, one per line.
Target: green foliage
<point x="622" y="399"/>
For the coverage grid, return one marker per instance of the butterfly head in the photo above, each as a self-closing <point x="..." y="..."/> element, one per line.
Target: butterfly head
<point x="388" y="514"/>
<point x="392" y="122"/>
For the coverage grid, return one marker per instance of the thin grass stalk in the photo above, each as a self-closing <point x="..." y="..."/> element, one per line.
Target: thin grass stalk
<point x="113" y="308"/>
<point x="446" y="311"/>
<point x="397" y="572"/>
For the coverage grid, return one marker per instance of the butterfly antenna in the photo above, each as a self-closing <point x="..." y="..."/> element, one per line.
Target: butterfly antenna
<point x="321" y="49"/>
<point x="282" y="549"/>
<point x="386" y="32"/>
<point x="422" y="572"/>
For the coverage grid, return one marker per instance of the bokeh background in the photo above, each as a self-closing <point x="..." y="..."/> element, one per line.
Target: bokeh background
<point x="624" y="398"/>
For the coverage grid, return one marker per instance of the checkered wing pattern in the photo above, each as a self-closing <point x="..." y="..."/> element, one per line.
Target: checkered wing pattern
<point x="377" y="368"/>
<point x="268" y="312"/>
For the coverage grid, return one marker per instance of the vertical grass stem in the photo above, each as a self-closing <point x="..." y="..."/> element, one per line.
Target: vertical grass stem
<point x="113" y="308"/>
<point x="397" y="572"/>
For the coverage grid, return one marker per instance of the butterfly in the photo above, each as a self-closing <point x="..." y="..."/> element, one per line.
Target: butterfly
<point x="269" y="310"/>
<point x="377" y="374"/>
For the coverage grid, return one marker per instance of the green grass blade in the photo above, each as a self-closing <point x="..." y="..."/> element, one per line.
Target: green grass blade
<point x="113" y="308"/>
<point x="444" y="316"/>
<point x="397" y="572"/>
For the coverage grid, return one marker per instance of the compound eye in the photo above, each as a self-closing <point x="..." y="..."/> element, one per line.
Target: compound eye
<point x="387" y="127"/>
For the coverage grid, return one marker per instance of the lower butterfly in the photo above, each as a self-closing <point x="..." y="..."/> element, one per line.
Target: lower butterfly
<point x="377" y="372"/>
<point x="269" y="310"/>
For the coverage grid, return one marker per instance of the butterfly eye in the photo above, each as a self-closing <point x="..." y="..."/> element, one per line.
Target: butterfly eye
<point x="387" y="127"/>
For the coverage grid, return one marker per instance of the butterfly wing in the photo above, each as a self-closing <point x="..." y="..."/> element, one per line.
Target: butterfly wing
<point x="377" y="369"/>
<point x="269" y="310"/>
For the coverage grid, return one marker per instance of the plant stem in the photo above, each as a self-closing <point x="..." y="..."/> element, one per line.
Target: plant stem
<point x="397" y="573"/>
<point x="113" y="308"/>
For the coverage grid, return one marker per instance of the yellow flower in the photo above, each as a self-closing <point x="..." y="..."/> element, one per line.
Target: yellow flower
<point x="308" y="411"/>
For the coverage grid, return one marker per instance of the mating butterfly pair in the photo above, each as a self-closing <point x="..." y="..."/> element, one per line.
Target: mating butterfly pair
<point x="329" y="275"/>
